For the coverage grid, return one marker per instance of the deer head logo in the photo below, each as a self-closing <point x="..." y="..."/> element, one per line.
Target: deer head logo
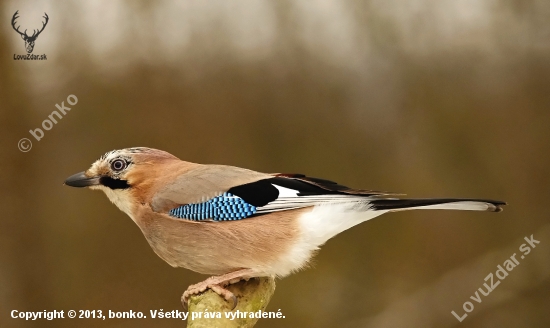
<point x="29" y="40"/>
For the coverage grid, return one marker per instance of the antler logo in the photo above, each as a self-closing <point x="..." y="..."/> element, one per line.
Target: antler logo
<point x="29" y="40"/>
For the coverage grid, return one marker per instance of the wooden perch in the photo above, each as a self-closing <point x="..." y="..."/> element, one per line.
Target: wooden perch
<point x="252" y="295"/>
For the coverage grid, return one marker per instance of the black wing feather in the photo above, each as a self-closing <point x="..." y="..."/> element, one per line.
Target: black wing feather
<point x="325" y="187"/>
<point x="257" y="193"/>
<point x="262" y="192"/>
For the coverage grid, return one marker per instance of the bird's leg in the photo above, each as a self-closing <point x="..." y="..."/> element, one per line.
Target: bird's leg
<point x="218" y="284"/>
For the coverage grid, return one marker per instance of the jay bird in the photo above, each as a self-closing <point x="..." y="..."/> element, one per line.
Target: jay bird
<point x="233" y="223"/>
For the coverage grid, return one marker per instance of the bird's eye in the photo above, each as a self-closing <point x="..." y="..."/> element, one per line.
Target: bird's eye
<point x="118" y="165"/>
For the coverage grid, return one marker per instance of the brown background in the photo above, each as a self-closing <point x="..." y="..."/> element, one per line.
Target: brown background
<point x="429" y="98"/>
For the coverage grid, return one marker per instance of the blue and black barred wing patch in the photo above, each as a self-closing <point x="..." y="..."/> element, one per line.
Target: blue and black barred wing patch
<point x="226" y="207"/>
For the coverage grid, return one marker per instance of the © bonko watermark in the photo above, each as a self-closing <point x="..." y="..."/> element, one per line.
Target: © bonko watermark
<point x="25" y="144"/>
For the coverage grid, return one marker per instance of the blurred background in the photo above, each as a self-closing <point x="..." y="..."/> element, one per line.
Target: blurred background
<point x="432" y="98"/>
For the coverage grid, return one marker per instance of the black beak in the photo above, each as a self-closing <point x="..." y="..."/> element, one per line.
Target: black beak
<point x="81" y="180"/>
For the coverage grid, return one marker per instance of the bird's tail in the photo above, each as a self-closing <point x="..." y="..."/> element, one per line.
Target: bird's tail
<point x="394" y="204"/>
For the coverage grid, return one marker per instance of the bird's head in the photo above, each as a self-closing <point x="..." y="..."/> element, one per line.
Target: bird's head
<point x="127" y="176"/>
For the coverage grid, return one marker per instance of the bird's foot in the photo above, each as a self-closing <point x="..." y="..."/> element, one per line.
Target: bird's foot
<point x="217" y="284"/>
<point x="201" y="287"/>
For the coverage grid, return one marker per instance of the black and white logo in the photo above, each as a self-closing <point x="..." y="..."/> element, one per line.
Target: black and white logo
<point x="29" y="39"/>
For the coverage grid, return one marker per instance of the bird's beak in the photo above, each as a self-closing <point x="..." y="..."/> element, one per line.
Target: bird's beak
<point x="81" y="180"/>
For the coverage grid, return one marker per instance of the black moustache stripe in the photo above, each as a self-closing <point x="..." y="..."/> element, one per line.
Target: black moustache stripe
<point x="114" y="183"/>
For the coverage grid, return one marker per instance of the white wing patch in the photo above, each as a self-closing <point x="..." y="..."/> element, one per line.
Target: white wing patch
<point x="286" y="192"/>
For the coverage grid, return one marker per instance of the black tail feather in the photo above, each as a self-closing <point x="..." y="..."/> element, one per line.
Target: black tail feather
<point x="395" y="204"/>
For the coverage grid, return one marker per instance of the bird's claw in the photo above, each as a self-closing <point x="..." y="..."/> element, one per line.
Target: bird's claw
<point x="234" y="299"/>
<point x="184" y="301"/>
<point x="192" y="290"/>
